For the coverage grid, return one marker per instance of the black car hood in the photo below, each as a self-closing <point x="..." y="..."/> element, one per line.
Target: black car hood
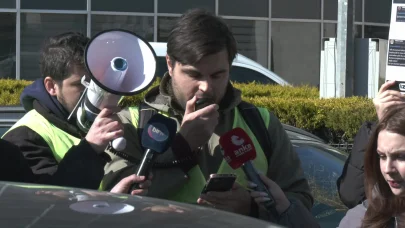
<point x="27" y="205"/>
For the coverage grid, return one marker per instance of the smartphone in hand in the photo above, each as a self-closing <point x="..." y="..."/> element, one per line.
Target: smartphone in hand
<point x="219" y="183"/>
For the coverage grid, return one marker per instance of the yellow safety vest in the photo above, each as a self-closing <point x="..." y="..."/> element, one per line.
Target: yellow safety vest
<point x="192" y="189"/>
<point x="58" y="140"/>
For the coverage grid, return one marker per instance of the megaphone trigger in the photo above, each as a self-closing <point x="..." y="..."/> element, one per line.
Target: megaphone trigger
<point x="119" y="144"/>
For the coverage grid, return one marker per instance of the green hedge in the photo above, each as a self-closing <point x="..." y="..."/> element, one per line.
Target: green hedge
<point x="335" y="120"/>
<point x="10" y="91"/>
<point x="263" y="90"/>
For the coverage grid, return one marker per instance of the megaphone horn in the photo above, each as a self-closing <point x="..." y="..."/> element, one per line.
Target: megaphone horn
<point x="120" y="63"/>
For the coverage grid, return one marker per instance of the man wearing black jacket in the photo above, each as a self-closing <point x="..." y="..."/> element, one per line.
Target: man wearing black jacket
<point x="351" y="183"/>
<point x="56" y="150"/>
<point x="13" y="166"/>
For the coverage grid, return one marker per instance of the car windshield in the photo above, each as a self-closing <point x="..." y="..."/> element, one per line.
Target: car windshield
<point x="245" y="75"/>
<point x="322" y="167"/>
<point x="3" y="130"/>
<point x="299" y="136"/>
<point x="341" y="157"/>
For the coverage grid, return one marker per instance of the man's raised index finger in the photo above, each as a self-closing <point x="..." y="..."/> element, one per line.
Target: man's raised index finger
<point x="105" y="112"/>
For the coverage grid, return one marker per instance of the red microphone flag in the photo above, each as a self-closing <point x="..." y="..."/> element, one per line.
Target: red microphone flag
<point x="238" y="147"/>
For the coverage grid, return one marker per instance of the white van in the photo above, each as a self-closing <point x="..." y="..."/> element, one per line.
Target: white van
<point x="243" y="69"/>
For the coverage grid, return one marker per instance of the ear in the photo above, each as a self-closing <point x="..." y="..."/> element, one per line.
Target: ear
<point x="51" y="86"/>
<point x="169" y="65"/>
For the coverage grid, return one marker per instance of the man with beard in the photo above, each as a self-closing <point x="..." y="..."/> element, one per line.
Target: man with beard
<point x="200" y="51"/>
<point x="56" y="150"/>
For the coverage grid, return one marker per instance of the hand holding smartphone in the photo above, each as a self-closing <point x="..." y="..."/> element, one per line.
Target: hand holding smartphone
<point x="219" y="183"/>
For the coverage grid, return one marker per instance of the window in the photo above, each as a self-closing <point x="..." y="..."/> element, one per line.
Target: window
<point x="377" y="11"/>
<point x="180" y="6"/>
<point x="296" y="57"/>
<point x="7" y="45"/>
<point x="7" y="4"/>
<point x="165" y="25"/>
<point x="251" y="35"/>
<point x="257" y="8"/>
<point x="245" y="75"/>
<point x="54" y="5"/>
<point x="123" y="6"/>
<point x="252" y="38"/>
<point x="308" y="9"/>
<point x="161" y="66"/>
<point x="331" y="10"/>
<point x="141" y="25"/>
<point x="376" y="32"/>
<point x="35" y="27"/>
<point x="330" y="30"/>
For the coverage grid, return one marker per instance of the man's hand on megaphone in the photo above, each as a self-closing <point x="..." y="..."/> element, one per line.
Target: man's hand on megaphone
<point x="198" y="126"/>
<point x="104" y="129"/>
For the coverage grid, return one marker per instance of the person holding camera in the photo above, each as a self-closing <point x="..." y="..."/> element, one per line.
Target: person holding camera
<point x="351" y="182"/>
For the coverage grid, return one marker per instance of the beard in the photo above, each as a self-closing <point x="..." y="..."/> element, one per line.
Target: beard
<point x="175" y="92"/>
<point x="65" y="105"/>
<point x="181" y="100"/>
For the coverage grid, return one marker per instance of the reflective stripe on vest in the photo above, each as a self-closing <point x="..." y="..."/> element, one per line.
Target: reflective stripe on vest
<point x="58" y="140"/>
<point x="192" y="189"/>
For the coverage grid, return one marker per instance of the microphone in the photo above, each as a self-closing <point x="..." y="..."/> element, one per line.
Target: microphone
<point x="157" y="136"/>
<point x="238" y="151"/>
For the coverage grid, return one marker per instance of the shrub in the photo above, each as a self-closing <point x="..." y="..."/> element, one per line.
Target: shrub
<point x="265" y="90"/>
<point x="335" y="120"/>
<point x="10" y="91"/>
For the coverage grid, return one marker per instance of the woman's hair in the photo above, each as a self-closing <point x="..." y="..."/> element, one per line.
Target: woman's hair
<point x="383" y="204"/>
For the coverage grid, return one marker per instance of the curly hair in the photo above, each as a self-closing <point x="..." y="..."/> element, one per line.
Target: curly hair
<point x="60" y="54"/>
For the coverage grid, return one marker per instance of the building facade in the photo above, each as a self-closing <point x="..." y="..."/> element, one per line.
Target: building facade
<point x="282" y="35"/>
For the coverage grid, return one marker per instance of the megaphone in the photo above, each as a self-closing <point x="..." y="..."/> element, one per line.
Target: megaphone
<point x="120" y="63"/>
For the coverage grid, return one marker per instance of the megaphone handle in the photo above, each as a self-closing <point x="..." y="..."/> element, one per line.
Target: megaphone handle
<point x="119" y="144"/>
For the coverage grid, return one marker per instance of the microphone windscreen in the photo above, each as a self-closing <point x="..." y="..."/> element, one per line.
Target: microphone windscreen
<point x="238" y="147"/>
<point x="159" y="133"/>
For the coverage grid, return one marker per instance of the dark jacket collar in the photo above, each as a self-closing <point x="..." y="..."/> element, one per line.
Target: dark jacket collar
<point x="37" y="92"/>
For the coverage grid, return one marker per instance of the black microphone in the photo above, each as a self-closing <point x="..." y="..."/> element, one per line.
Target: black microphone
<point x="238" y="152"/>
<point x="157" y="136"/>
